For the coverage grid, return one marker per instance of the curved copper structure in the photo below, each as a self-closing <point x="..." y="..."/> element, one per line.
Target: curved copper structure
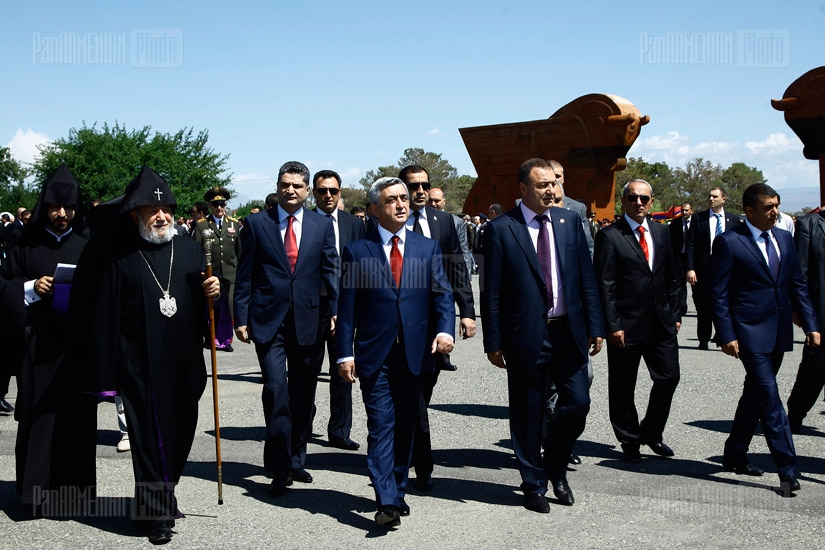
<point x="590" y="136"/>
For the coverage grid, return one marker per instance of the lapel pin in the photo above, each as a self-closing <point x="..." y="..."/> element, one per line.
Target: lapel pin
<point x="561" y="220"/>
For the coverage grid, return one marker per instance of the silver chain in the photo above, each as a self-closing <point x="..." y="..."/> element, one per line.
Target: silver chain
<point x="171" y="261"/>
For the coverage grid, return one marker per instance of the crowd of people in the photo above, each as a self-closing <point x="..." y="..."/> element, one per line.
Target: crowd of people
<point x="111" y="302"/>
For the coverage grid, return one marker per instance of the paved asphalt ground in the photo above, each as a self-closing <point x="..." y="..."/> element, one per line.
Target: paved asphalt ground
<point x="687" y="501"/>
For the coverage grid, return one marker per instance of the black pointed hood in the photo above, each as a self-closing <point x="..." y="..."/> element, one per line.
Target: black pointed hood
<point x="60" y="188"/>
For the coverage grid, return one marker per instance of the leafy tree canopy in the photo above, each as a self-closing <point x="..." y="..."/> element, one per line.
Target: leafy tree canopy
<point x="13" y="192"/>
<point x="104" y="160"/>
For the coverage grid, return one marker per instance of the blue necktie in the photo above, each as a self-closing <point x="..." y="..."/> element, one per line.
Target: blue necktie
<point x="773" y="258"/>
<point x="718" y="224"/>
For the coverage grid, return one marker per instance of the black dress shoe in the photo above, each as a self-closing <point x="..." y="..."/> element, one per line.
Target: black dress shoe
<point x="630" y="453"/>
<point x="562" y="491"/>
<point x="536" y="503"/>
<point x="161" y="532"/>
<point x="703" y="345"/>
<point x="346" y="444"/>
<point x="227" y="347"/>
<point x="744" y="468"/>
<point x="404" y="508"/>
<point x="279" y="484"/>
<point x="388" y="516"/>
<point x="661" y="449"/>
<point x="5" y="406"/>
<point x="787" y="485"/>
<point x="448" y="367"/>
<point x="301" y="476"/>
<point x="574" y="459"/>
<point x="424" y="483"/>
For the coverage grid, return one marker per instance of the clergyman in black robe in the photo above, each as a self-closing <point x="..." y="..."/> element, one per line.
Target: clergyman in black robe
<point x="55" y="449"/>
<point x="139" y="304"/>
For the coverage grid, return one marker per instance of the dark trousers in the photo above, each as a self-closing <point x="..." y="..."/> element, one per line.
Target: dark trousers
<point x="391" y="398"/>
<point x="810" y="379"/>
<point x="340" y="394"/>
<point x="288" y="399"/>
<point x="661" y="354"/>
<point x="681" y="262"/>
<point x="760" y="402"/>
<point x="422" y="456"/>
<point x="704" y="311"/>
<point x="562" y="363"/>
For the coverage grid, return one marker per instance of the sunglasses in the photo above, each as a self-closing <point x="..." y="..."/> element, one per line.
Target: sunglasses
<point x="557" y="200"/>
<point x="218" y="203"/>
<point x="324" y="190"/>
<point x="414" y="186"/>
<point x="643" y="198"/>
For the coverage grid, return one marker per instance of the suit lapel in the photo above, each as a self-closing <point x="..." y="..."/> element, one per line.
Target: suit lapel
<point x="560" y="237"/>
<point x="308" y="231"/>
<point x="271" y="227"/>
<point x="523" y="239"/>
<point x="632" y="240"/>
<point x="376" y="249"/>
<point x="659" y="244"/>
<point x="747" y="238"/>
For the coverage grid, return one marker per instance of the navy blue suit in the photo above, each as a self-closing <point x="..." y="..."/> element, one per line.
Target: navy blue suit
<point x="514" y="306"/>
<point x="389" y="332"/>
<point x="282" y="311"/>
<point x="350" y="228"/>
<point x="754" y="309"/>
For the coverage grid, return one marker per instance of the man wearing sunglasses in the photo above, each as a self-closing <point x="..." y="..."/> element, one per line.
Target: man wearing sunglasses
<point x="704" y="228"/>
<point x="639" y="290"/>
<point x="326" y="186"/>
<point x="429" y="222"/>
<point x="226" y="251"/>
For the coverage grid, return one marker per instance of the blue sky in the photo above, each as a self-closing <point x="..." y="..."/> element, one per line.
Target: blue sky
<point x="349" y="85"/>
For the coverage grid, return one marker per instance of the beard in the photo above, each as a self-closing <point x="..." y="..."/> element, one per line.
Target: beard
<point x="154" y="233"/>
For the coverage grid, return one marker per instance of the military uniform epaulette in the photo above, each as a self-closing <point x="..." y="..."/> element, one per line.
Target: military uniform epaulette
<point x="204" y="221"/>
<point x="231" y="219"/>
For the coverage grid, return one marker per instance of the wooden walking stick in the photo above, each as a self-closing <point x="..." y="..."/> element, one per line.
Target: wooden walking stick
<point x="208" y="235"/>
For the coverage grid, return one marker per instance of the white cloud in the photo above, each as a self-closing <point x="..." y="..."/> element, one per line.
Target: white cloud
<point x="778" y="155"/>
<point x="23" y="145"/>
<point x="434" y="131"/>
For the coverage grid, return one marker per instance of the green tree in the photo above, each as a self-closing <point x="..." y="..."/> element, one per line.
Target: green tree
<point x="659" y="175"/>
<point x="735" y="179"/>
<point x="696" y="179"/>
<point x="354" y="197"/>
<point x="13" y="191"/>
<point x="442" y="174"/>
<point x="105" y="160"/>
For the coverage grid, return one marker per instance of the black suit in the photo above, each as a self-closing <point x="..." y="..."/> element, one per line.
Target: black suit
<point x="678" y="230"/>
<point x="442" y="230"/>
<point x="282" y="311"/>
<point x="697" y="251"/>
<point x="515" y="303"/>
<point x="810" y="249"/>
<point x="350" y="228"/>
<point x="644" y="303"/>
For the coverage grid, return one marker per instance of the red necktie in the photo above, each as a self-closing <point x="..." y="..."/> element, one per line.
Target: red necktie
<point x="291" y="244"/>
<point x="396" y="261"/>
<point x="643" y="242"/>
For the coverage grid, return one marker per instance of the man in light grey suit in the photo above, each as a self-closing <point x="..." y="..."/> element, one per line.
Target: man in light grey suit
<point x="563" y="201"/>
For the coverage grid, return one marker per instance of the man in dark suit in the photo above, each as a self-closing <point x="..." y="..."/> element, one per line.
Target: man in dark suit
<point x="288" y="260"/>
<point x="429" y="222"/>
<point x="810" y="379"/>
<point x="541" y="314"/>
<point x="326" y="186"/>
<point x="705" y="227"/>
<point x="639" y="292"/>
<point x="678" y="230"/>
<point x="396" y="312"/>
<point x="757" y="282"/>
